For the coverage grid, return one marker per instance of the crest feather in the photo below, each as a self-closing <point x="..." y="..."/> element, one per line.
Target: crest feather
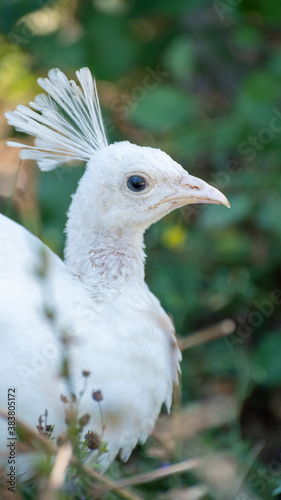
<point x="66" y="121"/>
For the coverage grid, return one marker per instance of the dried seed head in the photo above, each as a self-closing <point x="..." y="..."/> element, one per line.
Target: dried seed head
<point x="70" y="416"/>
<point x="48" y="430"/>
<point x="61" y="439"/>
<point x="63" y="399"/>
<point x="93" y="440"/>
<point x="84" y="420"/>
<point x="45" y="431"/>
<point x="73" y="397"/>
<point x="97" y="396"/>
<point x="85" y="373"/>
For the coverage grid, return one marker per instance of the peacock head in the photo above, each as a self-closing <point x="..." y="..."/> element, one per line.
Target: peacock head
<point x="124" y="185"/>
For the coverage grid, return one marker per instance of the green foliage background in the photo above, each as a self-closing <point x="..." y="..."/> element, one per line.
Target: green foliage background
<point x="215" y="107"/>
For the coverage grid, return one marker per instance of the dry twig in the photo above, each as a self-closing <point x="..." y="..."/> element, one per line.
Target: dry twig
<point x="197" y="417"/>
<point x="225" y="327"/>
<point x="148" y="477"/>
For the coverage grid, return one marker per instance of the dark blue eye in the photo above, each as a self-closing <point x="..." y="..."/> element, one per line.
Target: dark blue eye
<point x="136" y="183"/>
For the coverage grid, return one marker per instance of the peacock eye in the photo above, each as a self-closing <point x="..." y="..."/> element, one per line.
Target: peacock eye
<point x="136" y="183"/>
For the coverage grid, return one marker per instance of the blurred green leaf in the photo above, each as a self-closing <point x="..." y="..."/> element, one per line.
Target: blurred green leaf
<point x="113" y="47"/>
<point x="267" y="359"/>
<point x="13" y="10"/>
<point x="217" y="218"/>
<point x="257" y="97"/>
<point x="163" y="109"/>
<point x="179" y="57"/>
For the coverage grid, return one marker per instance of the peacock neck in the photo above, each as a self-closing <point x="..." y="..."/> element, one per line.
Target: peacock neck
<point x="105" y="259"/>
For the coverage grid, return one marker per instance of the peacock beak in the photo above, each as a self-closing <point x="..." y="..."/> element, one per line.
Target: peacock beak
<point x="194" y="190"/>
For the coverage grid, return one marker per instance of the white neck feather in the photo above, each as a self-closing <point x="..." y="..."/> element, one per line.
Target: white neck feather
<point x="103" y="259"/>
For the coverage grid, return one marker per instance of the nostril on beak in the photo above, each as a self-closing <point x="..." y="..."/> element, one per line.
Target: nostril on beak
<point x="191" y="187"/>
<point x="195" y="187"/>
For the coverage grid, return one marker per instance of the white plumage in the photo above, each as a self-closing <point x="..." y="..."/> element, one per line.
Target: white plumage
<point x="97" y="296"/>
